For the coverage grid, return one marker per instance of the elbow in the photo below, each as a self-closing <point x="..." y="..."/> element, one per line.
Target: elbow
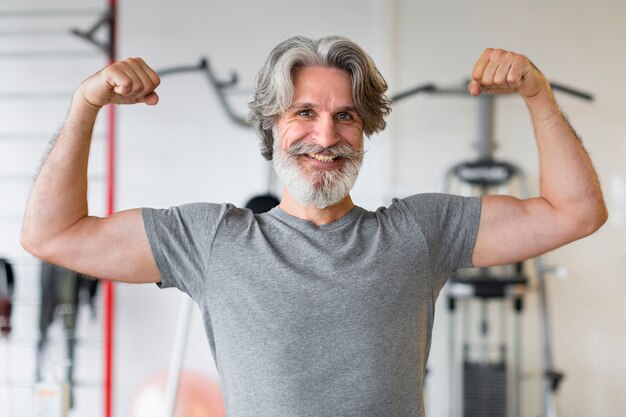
<point x="28" y="241"/>
<point x="34" y="244"/>
<point x="601" y="217"/>
<point x="592" y="219"/>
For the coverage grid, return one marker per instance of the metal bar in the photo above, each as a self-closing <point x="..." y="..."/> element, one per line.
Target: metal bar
<point x="571" y="91"/>
<point x="178" y="70"/>
<point x="486" y="144"/>
<point x="202" y="67"/>
<point x="484" y="332"/>
<point x="413" y="91"/>
<point x="465" y="345"/>
<point x="219" y="87"/>
<point x="503" y="332"/>
<point x="549" y="403"/>
<point x="432" y="89"/>
<point x="517" y="375"/>
<point x="89" y="35"/>
<point x="451" y="91"/>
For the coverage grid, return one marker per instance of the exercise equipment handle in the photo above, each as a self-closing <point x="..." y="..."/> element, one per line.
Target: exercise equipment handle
<point x="218" y="85"/>
<point x="413" y="91"/>
<point x="571" y="91"/>
<point x="433" y="89"/>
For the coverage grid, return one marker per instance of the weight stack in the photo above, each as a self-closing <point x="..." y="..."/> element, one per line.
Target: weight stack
<point x="484" y="390"/>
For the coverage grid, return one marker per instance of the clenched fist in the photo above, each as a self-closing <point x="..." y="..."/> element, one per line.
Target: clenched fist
<point x="503" y="72"/>
<point x="125" y="82"/>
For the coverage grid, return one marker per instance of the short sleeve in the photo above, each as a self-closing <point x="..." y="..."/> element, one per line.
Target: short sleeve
<point x="449" y="225"/>
<point x="180" y="239"/>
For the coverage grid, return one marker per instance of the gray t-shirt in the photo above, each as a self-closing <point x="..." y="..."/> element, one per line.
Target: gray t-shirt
<point x="307" y="320"/>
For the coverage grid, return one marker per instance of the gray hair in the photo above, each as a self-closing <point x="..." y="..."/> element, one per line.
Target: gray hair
<point x="274" y="84"/>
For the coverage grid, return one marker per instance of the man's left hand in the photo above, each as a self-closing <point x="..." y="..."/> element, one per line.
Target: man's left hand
<point x="503" y="72"/>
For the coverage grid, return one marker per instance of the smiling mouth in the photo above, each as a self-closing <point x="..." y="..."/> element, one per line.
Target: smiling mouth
<point x="322" y="158"/>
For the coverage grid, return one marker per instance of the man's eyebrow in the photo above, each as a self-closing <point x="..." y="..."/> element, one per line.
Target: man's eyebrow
<point x="347" y="108"/>
<point x="300" y="106"/>
<point x="306" y="105"/>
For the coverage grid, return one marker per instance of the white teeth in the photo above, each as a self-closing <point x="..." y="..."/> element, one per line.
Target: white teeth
<point x="322" y="158"/>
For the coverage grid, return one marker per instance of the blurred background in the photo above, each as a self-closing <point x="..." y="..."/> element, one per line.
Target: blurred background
<point x="187" y="149"/>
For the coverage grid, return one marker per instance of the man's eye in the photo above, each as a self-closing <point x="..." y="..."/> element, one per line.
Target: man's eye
<point x="344" y="116"/>
<point x="305" y="113"/>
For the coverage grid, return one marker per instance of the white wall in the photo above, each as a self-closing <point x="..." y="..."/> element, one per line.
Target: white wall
<point x="185" y="149"/>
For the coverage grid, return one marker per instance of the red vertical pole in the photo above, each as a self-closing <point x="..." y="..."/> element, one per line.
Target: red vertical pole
<point x="109" y="289"/>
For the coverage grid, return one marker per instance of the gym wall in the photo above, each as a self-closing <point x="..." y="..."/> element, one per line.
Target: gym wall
<point x="186" y="149"/>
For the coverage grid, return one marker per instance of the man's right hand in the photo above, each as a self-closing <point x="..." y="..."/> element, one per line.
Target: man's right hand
<point x="125" y="82"/>
<point x="57" y="225"/>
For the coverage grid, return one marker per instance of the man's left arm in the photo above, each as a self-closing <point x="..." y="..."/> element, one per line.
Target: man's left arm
<point x="570" y="205"/>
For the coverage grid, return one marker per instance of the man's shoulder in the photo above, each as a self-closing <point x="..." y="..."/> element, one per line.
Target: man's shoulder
<point x="195" y="215"/>
<point x="428" y="207"/>
<point x="422" y="201"/>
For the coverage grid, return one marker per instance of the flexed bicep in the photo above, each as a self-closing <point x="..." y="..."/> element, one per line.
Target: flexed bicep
<point x="512" y="230"/>
<point x="57" y="226"/>
<point x="114" y="248"/>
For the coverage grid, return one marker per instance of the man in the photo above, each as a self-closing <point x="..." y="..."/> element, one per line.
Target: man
<point x="318" y="307"/>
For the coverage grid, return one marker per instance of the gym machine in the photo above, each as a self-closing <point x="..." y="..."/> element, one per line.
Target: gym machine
<point x="485" y="378"/>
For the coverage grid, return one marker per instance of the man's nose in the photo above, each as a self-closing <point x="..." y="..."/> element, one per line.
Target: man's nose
<point x="326" y="133"/>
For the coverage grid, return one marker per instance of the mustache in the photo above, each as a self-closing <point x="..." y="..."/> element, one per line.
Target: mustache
<point x="336" y="151"/>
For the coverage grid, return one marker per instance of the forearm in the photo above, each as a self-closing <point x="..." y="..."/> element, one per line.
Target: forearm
<point x="568" y="180"/>
<point x="59" y="197"/>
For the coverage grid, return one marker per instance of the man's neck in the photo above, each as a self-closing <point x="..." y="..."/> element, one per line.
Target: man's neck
<point x="313" y="214"/>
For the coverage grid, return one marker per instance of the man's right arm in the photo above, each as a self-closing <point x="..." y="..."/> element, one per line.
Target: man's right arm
<point x="57" y="227"/>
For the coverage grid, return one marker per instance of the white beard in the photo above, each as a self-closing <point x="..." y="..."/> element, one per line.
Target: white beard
<point x="317" y="188"/>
